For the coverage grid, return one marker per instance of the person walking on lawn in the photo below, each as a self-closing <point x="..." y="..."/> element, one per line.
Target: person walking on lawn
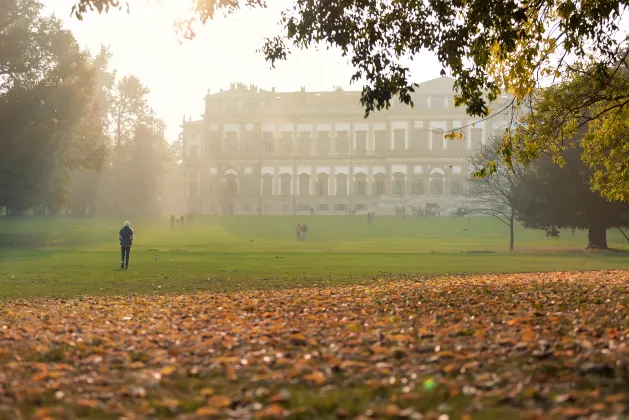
<point x="126" y="240"/>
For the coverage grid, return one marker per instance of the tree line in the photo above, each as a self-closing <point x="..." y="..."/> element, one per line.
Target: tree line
<point x="74" y="136"/>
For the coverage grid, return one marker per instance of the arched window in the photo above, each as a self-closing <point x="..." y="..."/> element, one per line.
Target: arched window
<point x="360" y="184"/>
<point x="322" y="184"/>
<point x="285" y="184"/>
<point x="304" y="185"/>
<point x="341" y="185"/>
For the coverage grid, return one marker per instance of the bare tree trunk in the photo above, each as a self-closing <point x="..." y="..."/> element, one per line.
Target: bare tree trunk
<point x="597" y="237"/>
<point x="511" y="234"/>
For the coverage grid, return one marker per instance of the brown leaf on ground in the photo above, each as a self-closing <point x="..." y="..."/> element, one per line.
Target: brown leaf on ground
<point x="542" y="345"/>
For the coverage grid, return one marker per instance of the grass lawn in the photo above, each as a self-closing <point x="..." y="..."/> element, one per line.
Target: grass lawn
<point x="363" y="322"/>
<point x="66" y="257"/>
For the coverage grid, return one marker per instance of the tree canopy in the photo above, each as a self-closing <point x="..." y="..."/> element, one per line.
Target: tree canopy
<point x="49" y="121"/>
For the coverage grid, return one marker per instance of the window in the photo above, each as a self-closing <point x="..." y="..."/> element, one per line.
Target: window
<point x="399" y="140"/>
<point x="269" y="141"/>
<point x="323" y="207"/>
<point x="305" y="143"/>
<point x="285" y="184"/>
<point x="360" y="184"/>
<point x="246" y="207"/>
<point x="437" y="140"/>
<point x="361" y="142"/>
<point x="303" y="207"/>
<point x="322" y="185"/>
<point x="340" y="207"/>
<point x="361" y="206"/>
<point x="399" y="185"/>
<point x="231" y="141"/>
<point x="231" y="186"/>
<point x="342" y="142"/>
<point x="457" y="188"/>
<point x="286" y="142"/>
<point x="341" y="185"/>
<point x="417" y="188"/>
<point x="285" y="208"/>
<point x="381" y="140"/>
<point x="304" y="185"/>
<point x="323" y="142"/>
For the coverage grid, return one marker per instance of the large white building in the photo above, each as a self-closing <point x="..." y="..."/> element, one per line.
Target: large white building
<point x="287" y="152"/>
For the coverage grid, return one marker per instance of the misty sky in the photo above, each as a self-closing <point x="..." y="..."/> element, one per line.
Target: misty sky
<point x="144" y="43"/>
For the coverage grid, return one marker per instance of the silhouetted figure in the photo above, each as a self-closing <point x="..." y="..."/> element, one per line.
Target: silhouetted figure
<point x="126" y="240"/>
<point x="172" y="222"/>
<point x="298" y="231"/>
<point x="304" y="231"/>
<point x="182" y="220"/>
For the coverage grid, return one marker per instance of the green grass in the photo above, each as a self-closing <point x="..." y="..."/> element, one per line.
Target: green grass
<point x="66" y="257"/>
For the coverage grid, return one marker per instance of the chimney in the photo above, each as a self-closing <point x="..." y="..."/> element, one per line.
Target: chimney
<point x="232" y="86"/>
<point x="303" y="88"/>
<point x="273" y="89"/>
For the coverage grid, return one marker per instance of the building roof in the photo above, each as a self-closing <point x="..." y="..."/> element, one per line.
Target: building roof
<point x="442" y="85"/>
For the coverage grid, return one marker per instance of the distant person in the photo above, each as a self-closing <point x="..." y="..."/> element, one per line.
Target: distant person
<point x="126" y="240"/>
<point x="298" y="231"/>
<point x="304" y="231"/>
<point x="172" y="222"/>
<point x="177" y="222"/>
<point x="182" y="220"/>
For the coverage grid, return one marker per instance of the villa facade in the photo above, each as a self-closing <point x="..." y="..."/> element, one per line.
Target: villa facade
<point x="268" y="152"/>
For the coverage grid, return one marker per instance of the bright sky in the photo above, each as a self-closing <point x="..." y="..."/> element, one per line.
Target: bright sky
<point x="144" y="43"/>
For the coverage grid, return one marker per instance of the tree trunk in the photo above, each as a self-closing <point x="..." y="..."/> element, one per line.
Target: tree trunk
<point x="597" y="237"/>
<point x="511" y="238"/>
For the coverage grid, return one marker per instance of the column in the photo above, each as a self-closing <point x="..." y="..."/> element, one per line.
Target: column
<point x="276" y="180"/>
<point x="332" y="181"/>
<point x="369" y="180"/>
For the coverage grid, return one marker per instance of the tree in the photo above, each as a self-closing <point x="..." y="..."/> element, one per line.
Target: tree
<point x="49" y="122"/>
<point x="147" y="156"/>
<point x="553" y="197"/>
<point x="588" y="110"/>
<point x="496" y="195"/>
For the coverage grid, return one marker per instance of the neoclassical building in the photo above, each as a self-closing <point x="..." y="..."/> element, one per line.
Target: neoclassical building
<point x="287" y="152"/>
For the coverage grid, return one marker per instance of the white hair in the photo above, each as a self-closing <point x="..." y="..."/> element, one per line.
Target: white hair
<point x="127" y="224"/>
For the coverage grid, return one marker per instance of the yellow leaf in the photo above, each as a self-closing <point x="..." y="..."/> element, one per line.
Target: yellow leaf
<point x="167" y="371"/>
<point x="207" y="411"/>
<point x="220" y="401"/>
<point x="207" y="392"/>
<point x="316" y="377"/>
<point x="273" y="410"/>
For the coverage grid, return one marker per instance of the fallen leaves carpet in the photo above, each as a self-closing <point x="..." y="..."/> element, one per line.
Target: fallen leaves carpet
<point x="550" y="345"/>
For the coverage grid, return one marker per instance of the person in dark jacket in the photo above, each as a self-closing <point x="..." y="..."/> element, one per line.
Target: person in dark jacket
<point x="172" y="222"/>
<point x="126" y="240"/>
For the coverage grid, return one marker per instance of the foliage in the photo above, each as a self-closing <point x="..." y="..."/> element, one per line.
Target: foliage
<point x="589" y="109"/>
<point x="498" y="346"/>
<point x="559" y="197"/>
<point x="488" y="46"/>
<point x="49" y="121"/>
<point x="496" y="195"/>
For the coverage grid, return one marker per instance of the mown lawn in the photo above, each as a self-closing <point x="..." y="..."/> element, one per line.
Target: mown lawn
<point x="67" y="257"/>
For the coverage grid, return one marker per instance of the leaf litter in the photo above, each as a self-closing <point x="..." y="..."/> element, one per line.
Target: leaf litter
<point x="547" y="345"/>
